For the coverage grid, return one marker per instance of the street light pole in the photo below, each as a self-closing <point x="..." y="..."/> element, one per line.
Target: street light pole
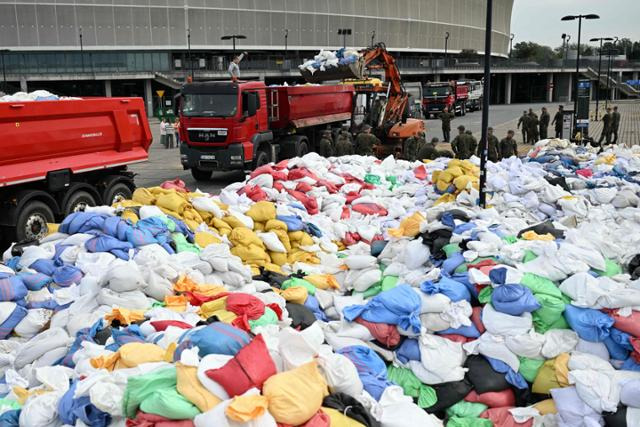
<point x="485" y="104"/>
<point x="81" y="50"/>
<point x="446" y="45"/>
<point x="513" y="36"/>
<point x="286" y="45"/>
<point x="344" y="32"/>
<point x="373" y="37"/>
<point x="4" y="71"/>
<point x="234" y="37"/>
<point x="606" y="102"/>
<point x="189" y="50"/>
<point x="601" y="39"/>
<point x="575" y="84"/>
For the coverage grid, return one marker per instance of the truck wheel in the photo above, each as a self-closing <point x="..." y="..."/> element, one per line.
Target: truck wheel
<point x="303" y="149"/>
<point x="262" y="158"/>
<point x="32" y="221"/>
<point x="200" y="175"/>
<point x="117" y="192"/>
<point x="78" y="201"/>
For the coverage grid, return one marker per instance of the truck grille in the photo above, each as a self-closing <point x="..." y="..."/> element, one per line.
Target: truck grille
<point x="207" y="135"/>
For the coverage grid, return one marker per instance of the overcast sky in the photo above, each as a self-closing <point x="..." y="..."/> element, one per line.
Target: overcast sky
<point x="539" y="20"/>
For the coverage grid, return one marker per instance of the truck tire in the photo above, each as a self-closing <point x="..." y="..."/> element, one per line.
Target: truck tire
<point x="303" y="148"/>
<point x="200" y="175"/>
<point x="32" y="221"/>
<point x="78" y="201"/>
<point x="116" y="192"/>
<point x="262" y="158"/>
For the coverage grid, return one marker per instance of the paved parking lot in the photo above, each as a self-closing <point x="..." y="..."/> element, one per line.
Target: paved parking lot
<point x="164" y="164"/>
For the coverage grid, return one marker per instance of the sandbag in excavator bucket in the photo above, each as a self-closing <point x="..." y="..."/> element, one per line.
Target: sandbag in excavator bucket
<point x="341" y="72"/>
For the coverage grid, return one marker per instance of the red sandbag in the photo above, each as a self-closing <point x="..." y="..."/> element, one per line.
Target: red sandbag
<point x="278" y="185"/>
<point x="456" y="338"/>
<point x="282" y="164"/>
<point x="369" y="209"/>
<point x="254" y="192"/>
<point x="269" y="170"/>
<point x="476" y="319"/>
<point x="276" y="309"/>
<point x="483" y="263"/>
<point x="251" y="367"/>
<point x="198" y="299"/>
<point x="351" y="238"/>
<point x="299" y="173"/>
<point x="350" y="178"/>
<point x="351" y="196"/>
<point x="177" y="184"/>
<point x="501" y="417"/>
<point x="630" y="325"/>
<point x="309" y="203"/>
<point x="346" y="213"/>
<point x="331" y="188"/>
<point x="635" y="343"/>
<point x="246" y="307"/>
<point x="304" y="187"/>
<point x="143" y="419"/>
<point x="383" y="332"/>
<point x="420" y="172"/>
<point x="493" y="399"/>
<point x="161" y="325"/>
<point x="587" y="173"/>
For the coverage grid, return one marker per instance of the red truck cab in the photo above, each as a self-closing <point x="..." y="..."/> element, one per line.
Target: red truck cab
<point x="441" y="95"/>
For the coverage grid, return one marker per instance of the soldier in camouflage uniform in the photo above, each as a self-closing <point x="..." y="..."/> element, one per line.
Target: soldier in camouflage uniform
<point x="428" y="150"/>
<point x="492" y="147"/>
<point x="325" y="146"/>
<point x="461" y="144"/>
<point x="508" y="146"/>
<point x="365" y="141"/>
<point x="446" y="117"/>
<point x="344" y="146"/>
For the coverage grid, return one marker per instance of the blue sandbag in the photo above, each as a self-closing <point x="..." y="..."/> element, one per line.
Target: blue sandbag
<point x="397" y="306"/>
<point x="294" y="223"/>
<point x="630" y="365"/>
<point x="82" y="222"/>
<point x="35" y="281"/>
<point x="408" y="350"/>
<point x="589" y="324"/>
<point x="12" y="289"/>
<point x="44" y="266"/>
<point x="618" y="344"/>
<point x="218" y="338"/>
<point x="313" y="304"/>
<point x="456" y="291"/>
<point x="106" y="243"/>
<point x="371" y="368"/>
<point x="466" y="331"/>
<point x="71" y="410"/>
<point x="10" y="418"/>
<point x="454" y="261"/>
<point x="498" y="276"/>
<point x="464" y="279"/>
<point x="67" y="275"/>
<point x="514" y="378"/>
<point x="116" y="227"/>
<point x="14" y="318"/>
<point x="514" y="300"/>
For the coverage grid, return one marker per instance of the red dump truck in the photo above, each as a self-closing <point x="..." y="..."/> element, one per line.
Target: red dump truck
<point x="438" y="95"/>
<point x="243" y="125"/>
<point x="58" y="156"/>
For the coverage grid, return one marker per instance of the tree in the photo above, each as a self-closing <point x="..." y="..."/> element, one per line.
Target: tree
<point x="585" y="49"/>
<point x="533" y="52"/>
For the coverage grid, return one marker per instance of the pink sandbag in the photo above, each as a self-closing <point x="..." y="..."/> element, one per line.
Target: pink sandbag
<point x="476" y="318"/>
<point x="310" y="203"/>
<point x="587" y="173"/>
<point x="501" y="417"/>
<point x="369" y="209"/>
<point x="143" y="419"/>
<point x="269" y="170"/>
<point x="299" y="173"/>
<point x="630" y="325"/>
<point x="382" y="332"/>
<point x="456" y="338"/>
<point x="493" y="399"/>
<point x="420" y="172"/>
<point x="177" y="184"/>
<point x="254" y="192"/>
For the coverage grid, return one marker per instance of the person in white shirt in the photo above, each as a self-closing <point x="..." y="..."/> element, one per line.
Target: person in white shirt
<point x="170" y="132"/>
<point x="163" y="133"/>
<point x="234" y="69"/>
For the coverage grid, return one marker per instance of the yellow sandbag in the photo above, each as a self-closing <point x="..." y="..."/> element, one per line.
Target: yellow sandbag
<point x="185" y="284"/>
<point x="445" y="198"/>
<point x="52" y="228"/>
<point x="455" y="171"/>
<point x="177" y="303"/>
<point x="251" y="254"/>
<point x="295" y="236"/>
<point x="275" y="224"/>
<point x="442" y="186"/>
<point x="546" y="407"/>
<point x="246" y="408"/>
<point x="126" y="204"/>
<point x="552" y="374"/>
<point x="284" y="239"/>
<point x="204" y="239"/>
<point x="124" y="315"/>
<point x="22" y="394"/>
<point x="275" y="268"/>
<point x="223" y="227"/>
<point x="129" y="355"/>
<point x="278" y="258"/>
<point x="144" y="196"/>
<point x="409" y="227"/>
<point x="446" y="176"/>
<point x="130" y="215"/>
<point x="323" y="281"/>
<point x="294" y="294"/>
<point x="217" y="307"/>
<point x="338" y="419"/>
<point x="532" y="235"/>
<point x="258" y="226"/>
<point x="190" y="387"/>
<point x="306" y="240"/>
<point x="302" y="256"/>
<point x="172" y="201"/>
<point x="233" y="221"/>
<point x="262" y="211"/>
<point x="463" y="181"/>
<point x="295" y="395"/>
<point x="245" y="237"/>
<point x="608" y="159"/>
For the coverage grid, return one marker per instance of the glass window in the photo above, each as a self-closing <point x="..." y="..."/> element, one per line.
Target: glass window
<point x="210" y="105"/>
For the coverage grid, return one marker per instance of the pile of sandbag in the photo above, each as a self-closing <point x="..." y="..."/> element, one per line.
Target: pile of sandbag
<point x="326" y="59"/>
<point x="36" y="95"/>
<point x="346" y="291"/>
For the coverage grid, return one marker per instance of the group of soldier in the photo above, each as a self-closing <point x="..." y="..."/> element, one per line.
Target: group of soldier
<point x="535" y="129"/>
<point x="344" y="144"/>
<point x="465" y="145"/>
<point x="610" y="125"/>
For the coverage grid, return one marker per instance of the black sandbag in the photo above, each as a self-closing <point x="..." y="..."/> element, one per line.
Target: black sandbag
<point x="483" y="377"/>
<point x="634" y="267"/>
<point x="616" y="419"/>
<point x="377" y="246"/>
<point x="300" y="315"/>
<point x="543" y="228"/>
<point x="558" y="180"/>
<point x="449" y="394"/>
<point x="272" y="278"/>
<point x="436" y="240"/>
<point x="350" y="407"/>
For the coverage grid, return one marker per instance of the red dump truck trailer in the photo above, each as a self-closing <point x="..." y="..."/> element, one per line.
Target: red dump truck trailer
<point x="58" y="156"/>
<point x="243" y="125"/>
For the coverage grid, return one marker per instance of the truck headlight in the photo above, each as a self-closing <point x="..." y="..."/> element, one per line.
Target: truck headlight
<point x="236" y="157"/>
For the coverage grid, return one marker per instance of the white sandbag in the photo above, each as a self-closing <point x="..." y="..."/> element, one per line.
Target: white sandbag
<point x="207" y="204"/>
<point x="596" y="388"/>
<point x="33" y="322"/>
<point x="340" y="373"/>
<point x="365" y="279"/>
<point x="149" y="211"/>
<point x="124" y="276"/>
<point x="581" y="361"/>
<point x="398" y="410"/>
<point x="272" y="242"/>
<point x="39" y="345"/>
<point x="572" y="410"/>
<point x="630" y="393"/>
<point x="598" y="349"/>
<point x="558" y="341"/>
<point x="441" y="358"/>
<point x="360" y="262"/>
<point x="134" y="300"/>
<point x="435" y="303"/>
<point x="217" y="417"/>
<point x="213" y="361"/>
<point x="41" y="411"/>
<point x="526" y="345"/>
<point x="415" y="254"/>
<point x="498" y="323"/>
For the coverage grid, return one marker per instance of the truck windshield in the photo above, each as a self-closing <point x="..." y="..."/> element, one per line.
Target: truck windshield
<point x="436" y="91"/>
<point x="210" y="105"/>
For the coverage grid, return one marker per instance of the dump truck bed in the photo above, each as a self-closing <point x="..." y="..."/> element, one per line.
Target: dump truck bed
<point x="303" y="106"/>
<point x="79" y="135"/>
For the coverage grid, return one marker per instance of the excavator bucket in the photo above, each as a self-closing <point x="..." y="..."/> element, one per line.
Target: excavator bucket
<point x="341" y="72"/>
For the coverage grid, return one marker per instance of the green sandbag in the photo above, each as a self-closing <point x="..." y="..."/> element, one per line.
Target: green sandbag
<point x="510" y="239"/>
<point x="540" y="285"/>
<point x="393" y="180"/>
<point x="296" y="281"/>
<point x="612" y="268"/>
<point x="146" y="391"/>
<point x="469" y="422"/>
<point x="484" y="296"/>
<point x="464" y="409"/>
<point x="412" y="386"/>
<point x="268" y="318"/>
<point x="183" y="245"/>
<point x="549" y="314"/>
<point x="170" y="404"/>
<point x="450" y="249"/>
<point x="372" y="179"/>
<point x="9" y="404"/>
<point x="388" y="282"/>
<point x="529" y="256"/>
<point x="529" y="368"/>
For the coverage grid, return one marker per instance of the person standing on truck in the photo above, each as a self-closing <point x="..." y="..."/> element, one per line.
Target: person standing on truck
<point x="461" y="144"/>
<point x="557" y="121"/>
<point x="428" y="150"/>
<point x="532" y="132"/>
<point x="544" y="123"/>
<point x="325" y="146"/>
<point x="446" y="117"/>
<point x="163" y="132"/>
<point x="606" y="127"/>
<point x="508" y="146"/>
<point x="234" y="68"/>
<point x="524" y="121"/>
<point x="492" y="146"/>
<point x="344" y="146"/>
<point x="615" y="124"/>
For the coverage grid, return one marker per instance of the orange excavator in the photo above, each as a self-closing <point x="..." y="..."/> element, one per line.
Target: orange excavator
<point x="385" y="107"/>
